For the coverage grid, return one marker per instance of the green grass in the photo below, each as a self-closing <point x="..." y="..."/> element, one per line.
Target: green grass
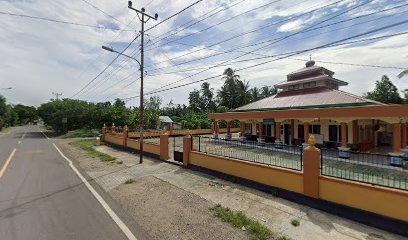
<point x="256" y="230"/>
<point x="78" y="134"/>
<point x="87" y="145"/>
<point x="295" y="222"/>
<point x="5" y="131"/>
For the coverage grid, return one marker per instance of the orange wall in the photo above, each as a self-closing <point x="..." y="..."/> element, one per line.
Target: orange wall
<point x="147" y="147"/>
<point x="384" y="201"/>
<point x="114" y="139"/>
<point x="272" y="176"/>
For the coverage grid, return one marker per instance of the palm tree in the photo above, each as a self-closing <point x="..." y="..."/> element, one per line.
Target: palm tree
<point x="403" y="73"/>
<point x="227" y="95"/>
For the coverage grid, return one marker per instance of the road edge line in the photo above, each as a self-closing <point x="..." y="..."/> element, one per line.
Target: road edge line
<point x="98" y="197"/>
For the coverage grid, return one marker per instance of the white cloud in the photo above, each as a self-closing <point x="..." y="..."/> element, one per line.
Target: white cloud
<point x="41" y="57"/>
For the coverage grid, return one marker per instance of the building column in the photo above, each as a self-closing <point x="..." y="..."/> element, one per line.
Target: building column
<point x="216" y="130"/>
<point x="396" y="144"/>
<point x="306" y="132"/>
<point x="394" y="157"/>
<point x="404" y="134"/>
<point x="355" y="132"/>
<point x="260" y="139"/>
<point x="278" y="132"/>
<point x="273" y="130"/>
<point x="229" y="136"/>
<point x="343" y="135"/>
<point x="242" y="131"/>
<point x="292" y="131"/>
<point x="344" y="150"/>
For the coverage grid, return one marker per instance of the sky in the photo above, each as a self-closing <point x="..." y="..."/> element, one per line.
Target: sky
<point x="254" y="37"/>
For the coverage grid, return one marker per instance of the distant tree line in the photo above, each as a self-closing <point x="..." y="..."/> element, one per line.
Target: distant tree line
<point x="233" y="93"/>
<point x="88" y="115"/>
<point x="11" y="115"/>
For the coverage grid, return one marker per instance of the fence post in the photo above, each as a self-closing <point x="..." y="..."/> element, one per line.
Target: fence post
<point x="103" y="132"/>
<point x="311" y="169"/>
<point x="186" y="149"/>
<point x="125" y="135"/>
<point x="171" y="129"/>
<point x="164" y="146"/>
<point x="113" y="129"/>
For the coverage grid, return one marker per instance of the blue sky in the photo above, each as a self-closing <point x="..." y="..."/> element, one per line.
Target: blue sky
<point x="43" y="57"/>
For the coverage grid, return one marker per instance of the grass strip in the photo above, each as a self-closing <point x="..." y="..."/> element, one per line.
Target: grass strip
<point x="77" y="134"/>
<point x="87" y="145"/>
<point x="256" y="230"/>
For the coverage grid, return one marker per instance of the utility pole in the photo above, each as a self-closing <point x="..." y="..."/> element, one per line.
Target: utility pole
<point x="57" y="95"/>
<point x="142" y="19"/>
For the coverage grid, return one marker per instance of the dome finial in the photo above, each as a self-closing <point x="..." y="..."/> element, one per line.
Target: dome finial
<point x="310" y="62"/>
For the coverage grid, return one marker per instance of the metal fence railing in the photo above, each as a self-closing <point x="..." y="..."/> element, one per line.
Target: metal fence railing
<point x="264" y="153"/>
<point x="376" y="169"/>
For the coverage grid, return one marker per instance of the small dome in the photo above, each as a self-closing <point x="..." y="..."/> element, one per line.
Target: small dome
<point x="310" y="63"/>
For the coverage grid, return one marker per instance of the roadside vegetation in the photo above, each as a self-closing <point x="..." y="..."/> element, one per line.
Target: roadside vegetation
<point x="14" y="115"/>
<point x="79" y="133"/>
<point x="130" y="181"/>
<point x="295" y="222"/>
<point x="87" y="145"/>
<point x="239" y="220"/>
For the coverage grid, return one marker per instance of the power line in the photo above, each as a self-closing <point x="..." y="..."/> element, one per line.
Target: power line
<point x="219" y="23"/>
<point x="260" y="54"/>
<point x="102" y="52"/>
<point x="108" y="76"/>
<point x="100" y="10"/>
<point x="251" y="31"/>
<point x="99" y="74"/>
<point x="351" y="64"/>
<point x="56" y="21"/>
<point x="175" y="14"/>
<point x="192" y="22"/>
<point x="262" y="46"/>
<point x="290" y="54"/>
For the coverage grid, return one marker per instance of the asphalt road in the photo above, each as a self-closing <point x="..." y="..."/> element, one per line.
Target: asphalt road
<point x="41" y="197"/>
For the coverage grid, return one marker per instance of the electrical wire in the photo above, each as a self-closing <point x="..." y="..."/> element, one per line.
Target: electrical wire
<point x="57" y="21"/>
<point x="290" y="54"/>
<point x="175" y="14"/>
<point x="99" y="74"/>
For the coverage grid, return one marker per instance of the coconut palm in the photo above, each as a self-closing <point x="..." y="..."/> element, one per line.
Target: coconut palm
<point x="403" y="73"/>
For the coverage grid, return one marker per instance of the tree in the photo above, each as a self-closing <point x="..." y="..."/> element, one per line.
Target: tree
<point x="405" y="92"/>
<point x="228" y="95"/>
<point x="194" y="100"/>
<point x="385" y="91"/>
<point x="207" y="95"/>
<point x="255" y="94"/>
<point x="403" y="73"/>
<point x="267" y="91"/>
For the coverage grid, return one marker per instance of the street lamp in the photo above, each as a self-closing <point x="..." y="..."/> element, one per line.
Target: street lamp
<point x="9" y="88"/>
<point x="141" y="96"/>
<point x="113" y="50"/>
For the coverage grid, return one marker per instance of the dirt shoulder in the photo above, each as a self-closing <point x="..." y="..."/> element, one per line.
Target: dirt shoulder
<point x="171" y="202"/>
<point x="168" y="212"/>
